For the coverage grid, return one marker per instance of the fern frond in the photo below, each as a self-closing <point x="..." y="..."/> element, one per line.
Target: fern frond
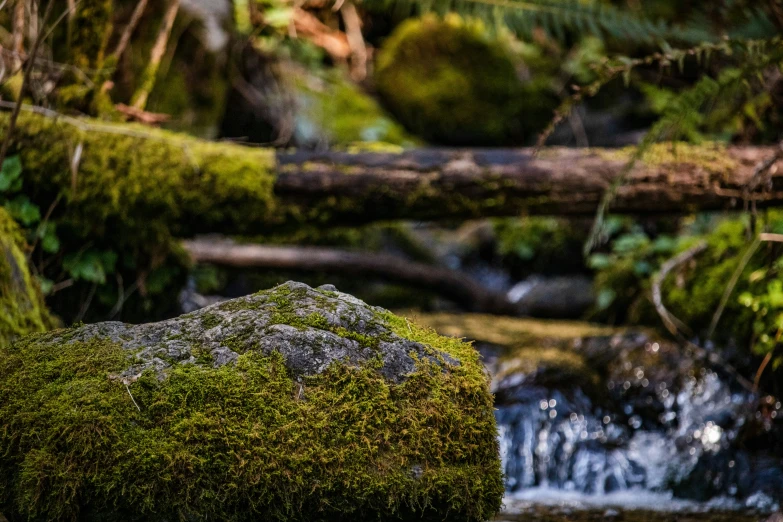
<point x="557" y="17"/>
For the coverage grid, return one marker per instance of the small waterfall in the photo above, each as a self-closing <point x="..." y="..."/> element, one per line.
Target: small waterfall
<point x="653" y="425"/>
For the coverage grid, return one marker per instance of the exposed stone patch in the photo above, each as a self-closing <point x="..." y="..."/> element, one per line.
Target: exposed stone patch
<point x="311" y="328"/>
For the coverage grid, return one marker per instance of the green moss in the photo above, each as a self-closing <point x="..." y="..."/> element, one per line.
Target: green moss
<point x="510" y="331"/>
<point x="449" y="82"/>
<point x="540" y="245"/>
<point x="245" y="441"/>
<point x="88" y="32"/>
<point x="209" y="321"/>
<point x="531" y="346"/>
<point x="695" y="291"/>
<point x="332" y="109"/>
<point x="133" y="191"/>
<point x="21" y="305"/>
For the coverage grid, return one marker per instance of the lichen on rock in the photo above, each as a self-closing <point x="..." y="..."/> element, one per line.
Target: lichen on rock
<point x="290" y="404"/>
<point x="21" y="305"/>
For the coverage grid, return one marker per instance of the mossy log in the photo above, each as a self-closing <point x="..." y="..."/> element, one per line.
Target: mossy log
<point x="21" y="305"/>
<point x="132" y="180"/>
<point x="293" y="404"/>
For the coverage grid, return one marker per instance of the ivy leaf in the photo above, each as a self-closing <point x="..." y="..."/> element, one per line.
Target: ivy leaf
<point x="525" y="251"/>
<point x="10" y="174"/>
<point x="45" y="284"/>
<point x="47" y="233"/>
<point x="605" y="298"/>
<point x="92" y="265"/>
<point x="600" y="261"/>
<point x="23" y="210"/>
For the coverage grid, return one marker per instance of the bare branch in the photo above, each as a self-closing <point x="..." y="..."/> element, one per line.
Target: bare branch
<point x="450" y="283"/>
<point x="128" y="31"/>
<point x="139" y="100"/>
<point x="674" y="325"/>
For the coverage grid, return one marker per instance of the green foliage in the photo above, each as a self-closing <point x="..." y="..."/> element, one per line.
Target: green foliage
<point x="90" y="265"/>
<point x="449" y="82"/>
<point x="246" y="441"/>
<point x="559" y="18"/>
<point x="21" y="305"/>
<point x="623" y="270"/>
<point x="539" y="245"/>
<point x="754" y="310"/>
<point x="767" y="306"/>
<point x="94" y="235"/>
<point x="331" y="110"/>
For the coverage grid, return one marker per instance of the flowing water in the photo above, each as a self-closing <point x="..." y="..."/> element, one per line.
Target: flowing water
<point x="659" y="437"/>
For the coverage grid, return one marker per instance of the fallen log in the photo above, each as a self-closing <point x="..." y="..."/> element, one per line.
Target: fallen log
<point x="129" y="175"/>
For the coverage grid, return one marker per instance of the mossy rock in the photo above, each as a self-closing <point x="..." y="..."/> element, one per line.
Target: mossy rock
<point x="449" y="82"/>
<point x="291" y="404"/>
<point x="22" y="310"/>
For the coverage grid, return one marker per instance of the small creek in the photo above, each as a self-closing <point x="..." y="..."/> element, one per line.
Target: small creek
<point x="634" y="430"/>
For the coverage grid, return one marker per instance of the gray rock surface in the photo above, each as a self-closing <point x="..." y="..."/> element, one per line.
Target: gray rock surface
<point x="310" y="327"/>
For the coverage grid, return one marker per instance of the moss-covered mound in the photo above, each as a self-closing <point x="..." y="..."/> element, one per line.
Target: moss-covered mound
<point x="290" y="404"/>
<point x="21" y="307"/>
<point x="450" y="83"/>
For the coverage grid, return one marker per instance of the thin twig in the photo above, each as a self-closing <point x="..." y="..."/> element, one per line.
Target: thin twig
<point x="87" y="303"/>
<point x="353" y="32"/>
<point x="128" y="32"/>
<point x="760" y="371"/>
<point x="732" y="283"/>
<point x="18" y="35"/>
<point x="43" y="223"/>
<point x="131" y="396"/>
<point x="83" y="73"/>
<point x="150" y="74"/>
<point x="674" y="325"/>
<point x="25" y="81"/>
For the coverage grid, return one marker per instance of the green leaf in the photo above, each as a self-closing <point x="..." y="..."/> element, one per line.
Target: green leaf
<point x="10" y="173"/>
<point x="524" y="251"/>
<point x="47" y="233"/>
<point x="605" y="298"/>
<point x="600" y="261"/>
<point x="92" y="265"/>
<point x="630" y="243"/>
<point x="45" y="284"/>
<point x="23" y="210"/>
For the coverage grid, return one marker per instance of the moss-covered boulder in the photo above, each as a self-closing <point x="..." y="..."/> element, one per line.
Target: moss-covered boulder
<point x="290" y="404"/>
<point x="21" y="306"/>
<point x="449" y="82"/>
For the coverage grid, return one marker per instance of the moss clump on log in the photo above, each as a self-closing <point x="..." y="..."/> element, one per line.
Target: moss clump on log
<point x="293" y="404"/>
<point x="125" y="192"/>
<point x="448" y="82"/>
<point x="21" y="306"/>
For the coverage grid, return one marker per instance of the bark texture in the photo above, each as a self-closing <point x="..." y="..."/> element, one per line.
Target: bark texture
<point x="243" y="190"/>
<point x="443" y="183"/>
